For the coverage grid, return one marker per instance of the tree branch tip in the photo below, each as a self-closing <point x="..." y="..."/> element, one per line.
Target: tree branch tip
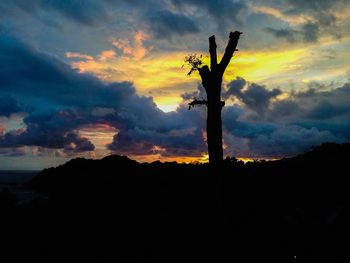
<point x="235" y="33"/>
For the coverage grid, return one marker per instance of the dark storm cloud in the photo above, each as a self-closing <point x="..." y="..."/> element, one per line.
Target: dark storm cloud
<point x="221" y="14"/>
<point x="50" y="130"/>
<point x="177" y="142"/>
<point x="326" y="110"/>
<point x="58" y="98"/>
<point x="79" y="144"/>
<point x="284" y="109"/>
<point x="285" y="33"/>
<point x="309" y="32"/>
<point x="221" y="9"/>
<point x="313" y="106"/>
<point x="320" y="17"/>
<point x="87" y="12"/>
<point x="164" y="24"/>
<point x="164" y="18"/>
<point x="265" y="126"/>
<point x="180" y="133"/>
<point x="234" y="88"/>
<point x="93" y="12"/>
<point x="29" y="74"/>
<point x="8" y="105"/>
<point x="255" y="97"/>
<point x="323" y="14"/>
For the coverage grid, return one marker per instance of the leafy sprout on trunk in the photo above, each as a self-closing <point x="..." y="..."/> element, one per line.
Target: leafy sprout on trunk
<point x="195" y="61"/>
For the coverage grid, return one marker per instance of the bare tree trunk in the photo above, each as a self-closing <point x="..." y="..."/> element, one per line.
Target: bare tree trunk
<point x="212" y="81"/>
<point x="214" y="130"/>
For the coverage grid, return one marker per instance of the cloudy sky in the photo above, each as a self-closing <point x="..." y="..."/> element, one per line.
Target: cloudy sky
<point x="94" y="77"/>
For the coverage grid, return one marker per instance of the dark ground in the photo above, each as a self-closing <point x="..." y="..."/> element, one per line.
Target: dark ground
<point x="117" y="210"/>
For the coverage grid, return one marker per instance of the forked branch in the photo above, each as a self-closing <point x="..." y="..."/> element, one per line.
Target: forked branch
<point x="213" y="56"/>
<point x="230" y="49"/>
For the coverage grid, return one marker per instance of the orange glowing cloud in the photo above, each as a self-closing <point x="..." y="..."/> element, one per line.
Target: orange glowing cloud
<point x="203" y="158"/>
<point x="106" y="55"/>
<point x="135" y="48"/>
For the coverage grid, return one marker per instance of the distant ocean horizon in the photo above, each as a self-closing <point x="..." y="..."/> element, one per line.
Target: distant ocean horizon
<point x="13" y="181"/>
<point x="9" y="178"/>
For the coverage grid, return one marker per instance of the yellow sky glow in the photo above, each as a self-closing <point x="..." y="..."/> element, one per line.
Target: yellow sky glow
<point x="161" y="75"/>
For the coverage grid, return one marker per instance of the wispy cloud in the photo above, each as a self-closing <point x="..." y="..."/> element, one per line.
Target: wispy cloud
<point x="78" y="55"/>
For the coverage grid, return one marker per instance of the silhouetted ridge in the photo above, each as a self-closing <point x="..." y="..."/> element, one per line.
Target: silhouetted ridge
<point x="116" y="209"/>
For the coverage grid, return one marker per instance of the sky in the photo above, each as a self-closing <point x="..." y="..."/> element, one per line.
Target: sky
<point x="97" y="77"/>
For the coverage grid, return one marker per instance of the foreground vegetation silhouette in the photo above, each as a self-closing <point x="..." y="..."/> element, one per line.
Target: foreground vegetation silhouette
<point x="118" y="210"/>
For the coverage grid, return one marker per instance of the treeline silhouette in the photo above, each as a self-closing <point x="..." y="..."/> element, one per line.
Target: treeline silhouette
<point x="118" y="210"/>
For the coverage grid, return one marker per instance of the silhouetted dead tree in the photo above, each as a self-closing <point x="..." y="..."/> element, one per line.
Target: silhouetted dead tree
<point x="212" y="80"/>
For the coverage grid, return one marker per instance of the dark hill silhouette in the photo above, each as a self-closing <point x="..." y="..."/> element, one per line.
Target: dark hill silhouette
<point x="118" y="210"/>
